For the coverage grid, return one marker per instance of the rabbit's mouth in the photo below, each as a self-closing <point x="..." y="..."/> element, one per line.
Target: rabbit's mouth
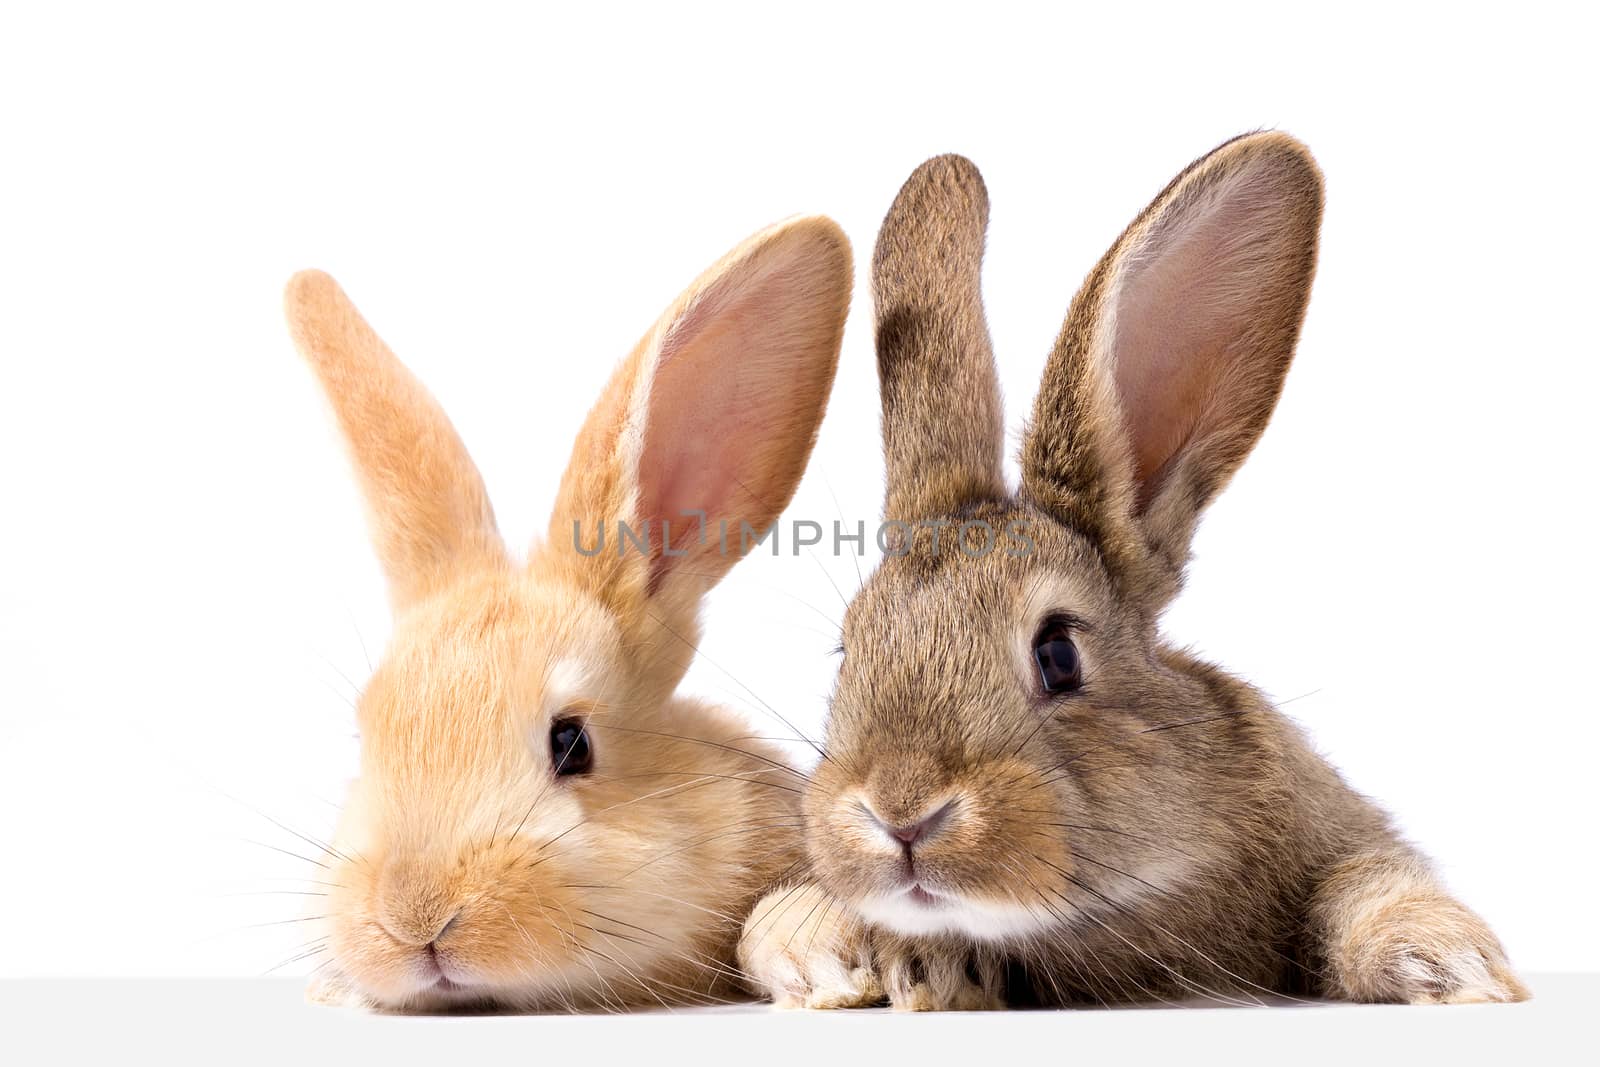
<point x="452" y="994"/>
<point x="441" y="980"/>
<point x="915" y="910"/>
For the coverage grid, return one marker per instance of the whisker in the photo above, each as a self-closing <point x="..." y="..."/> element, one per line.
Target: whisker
<point x="286" y="852"/>
<point x="772" y="710"/>
<point x="691" y="846"/>
<point x="285" y="922"/>
<point x="775" y="764"/>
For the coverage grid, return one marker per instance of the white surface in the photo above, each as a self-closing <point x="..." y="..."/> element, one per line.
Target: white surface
<point x="187" y="599"/>
<point x="248" y="1021"/>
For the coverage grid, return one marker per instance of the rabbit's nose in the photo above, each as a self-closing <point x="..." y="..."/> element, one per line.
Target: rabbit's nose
<point x="908" y="832"/>
<point x="415" y="902"/>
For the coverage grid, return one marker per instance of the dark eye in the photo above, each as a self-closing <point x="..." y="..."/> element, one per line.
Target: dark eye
<point x="1060" y="668"/>
<point x="570" y="750"/>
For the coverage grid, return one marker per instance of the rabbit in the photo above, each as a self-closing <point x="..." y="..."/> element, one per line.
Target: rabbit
<point x="539" y="822"/>
<point x="1028" y="796"/>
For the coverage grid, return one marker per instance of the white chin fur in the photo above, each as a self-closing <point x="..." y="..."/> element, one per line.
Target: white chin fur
<point x="980" y="920"/>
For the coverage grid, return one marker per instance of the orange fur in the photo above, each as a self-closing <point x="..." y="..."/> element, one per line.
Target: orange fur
<point x="466" y="870"/>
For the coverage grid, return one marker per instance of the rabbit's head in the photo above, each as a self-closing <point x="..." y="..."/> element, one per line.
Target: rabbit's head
<point x="1008" y="737"/>
<point x="521" y="754"/>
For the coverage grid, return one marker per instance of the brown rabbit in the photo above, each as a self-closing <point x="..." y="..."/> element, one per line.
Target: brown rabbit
<point x="540" y="822"/>
<point x="1028" y="795"/>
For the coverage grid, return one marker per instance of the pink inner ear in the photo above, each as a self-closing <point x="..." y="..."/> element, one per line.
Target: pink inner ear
<point x="1186" y="311"/>
<point x="700" y="410"/>
<point x="739" y="384"/>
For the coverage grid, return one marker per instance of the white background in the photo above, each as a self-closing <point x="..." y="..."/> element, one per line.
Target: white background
<point x="187" y="600"/>
<point x="184" y="1022"/>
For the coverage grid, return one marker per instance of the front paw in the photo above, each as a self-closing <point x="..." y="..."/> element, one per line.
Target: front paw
<point x="804" y="949"/>
<point x="1423" y="951"/>
<point x="331" y="989"/>
<point x="932" y="976"/>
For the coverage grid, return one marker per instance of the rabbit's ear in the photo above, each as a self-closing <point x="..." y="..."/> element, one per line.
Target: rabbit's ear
<point x="701" y="436"/>
<point x="429" y="515"/>
<point x="1174" y="352"/>
<point x="942" y="429"/>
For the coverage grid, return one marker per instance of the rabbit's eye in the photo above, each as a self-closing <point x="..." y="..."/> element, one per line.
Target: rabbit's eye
<point x="1060" y="668"/>
<point x="570" y="750"/>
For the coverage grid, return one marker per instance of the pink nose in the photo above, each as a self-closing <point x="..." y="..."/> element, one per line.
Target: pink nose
<point x="908" y="834"/>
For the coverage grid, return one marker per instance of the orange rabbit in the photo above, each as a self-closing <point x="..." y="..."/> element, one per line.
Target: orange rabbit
<point x="539" y="821"/>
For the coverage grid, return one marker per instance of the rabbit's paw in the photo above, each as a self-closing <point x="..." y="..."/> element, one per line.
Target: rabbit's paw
<point x="933" y="977"/>
<point x="334" y="990"/>
<point x="1423" y="951"/>
<point x="804" y="949"/>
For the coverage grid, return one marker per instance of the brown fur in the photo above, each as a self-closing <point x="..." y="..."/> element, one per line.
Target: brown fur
<point x="933" y="345"/>
<point x="460" y="851"/>
<point x="1162" y="832"/>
